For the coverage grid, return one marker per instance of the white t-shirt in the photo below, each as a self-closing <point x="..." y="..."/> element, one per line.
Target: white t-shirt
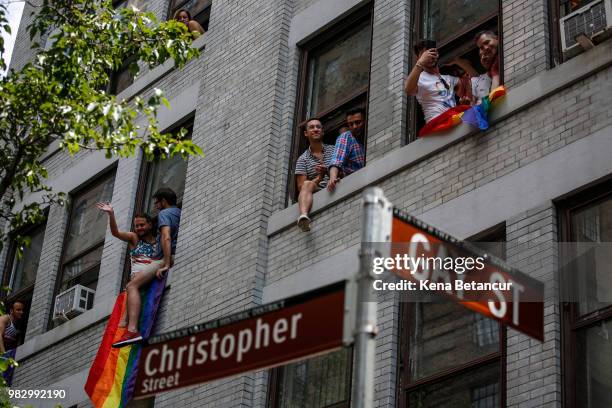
<point x="481" y="86"/>
<point x="433" y="96"/>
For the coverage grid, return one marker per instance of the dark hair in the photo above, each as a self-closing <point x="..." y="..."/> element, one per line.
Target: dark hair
<point x="310" y="120"/>
<point x="421" y="44"/>
<point x="177" y="12"/>
<point x="483" y="32"/>
<point x="12" y="305"/>
<point x="145" y="216"/>
<point x="167" y="194"/>
<point x="355" y="111"/>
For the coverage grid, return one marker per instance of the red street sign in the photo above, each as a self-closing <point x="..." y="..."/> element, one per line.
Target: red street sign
<point x="266" y="336"/>
<point x="519" y="305"/>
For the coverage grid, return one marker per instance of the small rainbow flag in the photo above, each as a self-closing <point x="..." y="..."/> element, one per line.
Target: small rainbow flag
<point x="473" y="115"/>
<point x="112" y="376"/>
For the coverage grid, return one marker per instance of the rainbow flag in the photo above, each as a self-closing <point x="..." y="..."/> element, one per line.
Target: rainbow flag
<point x="473" y="115"/>
<point x="112" y="376"/>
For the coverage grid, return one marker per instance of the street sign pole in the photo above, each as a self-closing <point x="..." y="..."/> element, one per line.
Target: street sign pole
<point x="375" y="228"/>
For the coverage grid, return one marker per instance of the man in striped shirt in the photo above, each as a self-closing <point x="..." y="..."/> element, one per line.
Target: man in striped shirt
<point x="348" y="153"/>
<point x="311" y="169"/>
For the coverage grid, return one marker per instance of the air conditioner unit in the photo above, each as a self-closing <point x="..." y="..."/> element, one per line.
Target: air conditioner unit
<point x="73" y="302"/>
<point x="593" y="20"/>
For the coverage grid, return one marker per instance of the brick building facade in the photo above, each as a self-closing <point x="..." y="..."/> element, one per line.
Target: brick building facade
<point x="265" y="67"/>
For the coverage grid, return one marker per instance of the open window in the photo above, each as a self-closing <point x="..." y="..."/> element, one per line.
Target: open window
<point x="161" y="172"/>
<point x="199" y="10"/>
<point x="84" y="240"/>
<point x="453" y="25"/>
<point x="334" y="78"/>
<point x="20" y="274"/>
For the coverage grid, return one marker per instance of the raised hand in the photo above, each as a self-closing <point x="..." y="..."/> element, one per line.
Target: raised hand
<point x="106" y="207"/>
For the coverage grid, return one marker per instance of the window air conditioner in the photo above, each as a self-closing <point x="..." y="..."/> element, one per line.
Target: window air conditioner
<point x="73" y="302"/>
<point x="593" y="20"/>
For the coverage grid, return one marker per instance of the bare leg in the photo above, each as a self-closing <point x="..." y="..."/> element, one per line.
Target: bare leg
<point x="305" y="197"/>
<point x="133" y="294"/>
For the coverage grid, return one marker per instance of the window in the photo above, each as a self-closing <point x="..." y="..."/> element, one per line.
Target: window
<point x="123" y="77"/>
<point x="318" y="382"/>
<point x="199" y="10"/>
<point x="84" y="240"/>
<point x="453" y="25"/>
<point x="20" y="275"/>
<point x="589" y="18"/>
<point x="453" y="357"/>
<point x="586" y="223"/>
<point x="157" y="174"/>
<point x="335" y="74"/>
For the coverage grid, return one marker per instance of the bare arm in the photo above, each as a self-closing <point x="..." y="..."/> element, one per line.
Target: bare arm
<point x="465" y="65"/>
<point x="333" y="178"/>
<point x="127" y="236"/>
<point x="2" y="328"/>
<point x="425" y="60"/>
<point x="166" y="244"/>
<point x="411" y="84"/>
<point x="195" y="26"/>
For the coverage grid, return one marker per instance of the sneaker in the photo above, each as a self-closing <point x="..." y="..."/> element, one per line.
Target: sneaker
<point x="304" y="223"/>
<point x="128" y="338"/>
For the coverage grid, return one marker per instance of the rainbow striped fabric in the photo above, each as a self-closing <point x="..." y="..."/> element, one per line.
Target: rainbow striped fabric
<point x="112" y="376"/>
<point x="473" y="115"/>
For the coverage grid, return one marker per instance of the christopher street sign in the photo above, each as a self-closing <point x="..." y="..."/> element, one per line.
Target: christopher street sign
<point x="465" y="274"/>
<point x="266" y="336"/>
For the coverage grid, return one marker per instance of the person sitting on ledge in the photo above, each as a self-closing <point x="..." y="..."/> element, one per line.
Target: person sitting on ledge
<point x="183" y="16"/>
<point x="311" y="169"/>
<point x="144" y="265"/>
<point x="348" y="154"/>
<point x="9" y="338"/>
<point x="434" y="92"/>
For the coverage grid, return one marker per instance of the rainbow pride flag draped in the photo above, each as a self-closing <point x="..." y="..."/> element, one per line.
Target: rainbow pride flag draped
<point x="112" y="375"/>
<point x="473" y="115"/>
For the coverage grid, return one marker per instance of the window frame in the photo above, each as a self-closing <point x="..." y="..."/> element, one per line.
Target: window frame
<point x="26" y="293"/>
<point x="347" y="24"/>
<point x="146" y="168"/>
<point x="63" y="261"/>
<point x="496" y="233"/>
<point x="571" y="321"/>
<point x="413" y="108"/>
<point x="276" y="374"/>
<point x="207" y="9"/>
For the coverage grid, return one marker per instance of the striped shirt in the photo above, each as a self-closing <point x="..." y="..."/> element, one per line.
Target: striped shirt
<point x="307" y="163"/>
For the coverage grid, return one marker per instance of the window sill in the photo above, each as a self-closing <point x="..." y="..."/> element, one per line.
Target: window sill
<point x="99" y="312"/>
<point x="522" y="97"/>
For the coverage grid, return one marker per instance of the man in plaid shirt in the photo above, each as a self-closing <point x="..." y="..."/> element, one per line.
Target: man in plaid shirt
<point x="348" y="154"/>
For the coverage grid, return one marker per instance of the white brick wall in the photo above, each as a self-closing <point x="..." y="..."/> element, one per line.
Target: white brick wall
<point x="247" y="78"/>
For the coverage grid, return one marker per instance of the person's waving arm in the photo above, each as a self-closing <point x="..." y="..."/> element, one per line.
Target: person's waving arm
<point x="127" y="236"/>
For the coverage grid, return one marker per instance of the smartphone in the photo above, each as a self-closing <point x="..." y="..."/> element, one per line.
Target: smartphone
<point x="429" y="44"/>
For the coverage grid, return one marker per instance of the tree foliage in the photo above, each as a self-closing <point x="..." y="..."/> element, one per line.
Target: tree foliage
<point x="60" y="96"/>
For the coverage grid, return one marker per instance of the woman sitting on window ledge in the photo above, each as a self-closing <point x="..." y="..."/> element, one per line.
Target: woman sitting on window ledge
<point x="183" y="16"/>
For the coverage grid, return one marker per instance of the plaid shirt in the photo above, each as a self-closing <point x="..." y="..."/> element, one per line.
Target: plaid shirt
<point x="348" y="154"/>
